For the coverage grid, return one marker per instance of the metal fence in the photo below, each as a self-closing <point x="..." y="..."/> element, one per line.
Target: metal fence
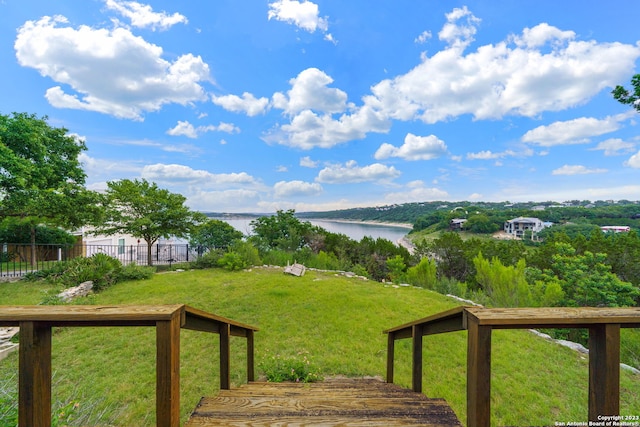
<point x="16" y="260"/>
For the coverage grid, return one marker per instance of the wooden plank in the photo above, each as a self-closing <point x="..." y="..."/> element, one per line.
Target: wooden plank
<point x="168" y="372"/>
<point x="558" y="316"/>
<point x="416" y="359"/>
<point x="391" y="342"/>
<point x="251" y="369"/>
<point x="34" y="389"/>
<point x="334" y="402"/>
<point x="478" y="375"/>
<point x="58" y="315"/>
<point x="604" y="371"/>
<point x="453" y="313"/>
<point x="225" y="357"/>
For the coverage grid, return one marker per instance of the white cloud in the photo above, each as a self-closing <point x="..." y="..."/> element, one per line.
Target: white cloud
<point x="303" y="14"/>
<point x="143" y="16"/>
<point x="490" y="155"/>
<point x="248" y="104"/>
<point x="350" y="173"/>
<point x="615" y="147"/>
<point x="306" y="162"/>
<point x="543" y="69"/>
<point x="174" y="174"/>
<point x="309" y="91"/>
<point x="576" y="170"/>
<point x="423" y="37"/>
<point x="460" y="28"/>
<point x="414" y="148"/>
<point x="184" y="128"/>
<point x="634" y="161"/>
<point x="416" y="190"/>
<point x="234" y="200"/>
<point x="296" y="189"/>
<point x="308" y="130"/>
<point x="109" y="71"/>
<point x="576" y="131"/>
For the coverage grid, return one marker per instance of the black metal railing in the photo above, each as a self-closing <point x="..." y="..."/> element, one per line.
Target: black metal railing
<point x="16" y="260"/>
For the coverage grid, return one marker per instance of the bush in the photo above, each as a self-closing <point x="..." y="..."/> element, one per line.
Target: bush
<point x="209" y="259"/>
<point x="232" y="261"/>
<point x="290" y="368"/>
<point x="135" y="272"/>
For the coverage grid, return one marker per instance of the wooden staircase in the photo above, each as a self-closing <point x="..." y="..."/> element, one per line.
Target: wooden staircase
<point x="333" y="402"/>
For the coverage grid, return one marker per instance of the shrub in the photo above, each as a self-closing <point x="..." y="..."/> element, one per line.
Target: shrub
<point x="209" y="259"/>
<point x="290" y="368"/>
<point x="247" y="252"/>
<point x="232" y="261"/>
<point x="135" y="272"/>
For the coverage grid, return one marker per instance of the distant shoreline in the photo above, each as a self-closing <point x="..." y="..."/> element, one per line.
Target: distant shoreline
<point x="367" y="222"/>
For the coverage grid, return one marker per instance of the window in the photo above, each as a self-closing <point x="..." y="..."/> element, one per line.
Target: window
<point x="120" y="246"/>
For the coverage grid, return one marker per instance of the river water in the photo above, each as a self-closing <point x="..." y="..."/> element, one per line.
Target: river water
<point x="353" y="230"/>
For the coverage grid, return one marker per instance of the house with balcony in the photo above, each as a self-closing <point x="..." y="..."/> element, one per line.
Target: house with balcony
<point x="518" y="226"/>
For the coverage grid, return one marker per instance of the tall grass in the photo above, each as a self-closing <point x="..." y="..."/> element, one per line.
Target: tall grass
<point x="336" y="322"/>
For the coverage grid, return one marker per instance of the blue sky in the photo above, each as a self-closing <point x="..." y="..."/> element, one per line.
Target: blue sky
<point x="320" y="105"/>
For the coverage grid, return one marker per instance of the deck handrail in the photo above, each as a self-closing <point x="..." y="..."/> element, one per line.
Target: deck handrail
<point x="35" y="322"/>
<point x="604" y="348"/>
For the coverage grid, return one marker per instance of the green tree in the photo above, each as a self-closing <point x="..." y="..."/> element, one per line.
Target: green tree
<point x="587" y="280"/>
<point x="41" y="177"/>
<point x="143" y="210"/>
<point x="214" y="234"/>
<point x="281" y="231"/>
<point x="396" y="268"/>
<point x="506" y="286"/>
<point x="423" y="274"/>
<point x="627" y="97"/>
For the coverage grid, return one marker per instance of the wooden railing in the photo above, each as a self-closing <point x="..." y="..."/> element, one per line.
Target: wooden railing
<point x="604" y="348"/>
<point x="35" y="322"/>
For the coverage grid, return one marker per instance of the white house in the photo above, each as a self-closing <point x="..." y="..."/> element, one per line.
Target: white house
<point x="517" y="226"/>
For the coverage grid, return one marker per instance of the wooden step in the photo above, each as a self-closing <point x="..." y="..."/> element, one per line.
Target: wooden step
<point x="333" y="402"/>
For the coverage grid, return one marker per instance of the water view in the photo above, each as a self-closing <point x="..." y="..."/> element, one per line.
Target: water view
<point x="354" y="230"/>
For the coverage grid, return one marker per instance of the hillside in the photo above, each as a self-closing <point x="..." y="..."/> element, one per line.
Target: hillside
<point x="333" y="320"/>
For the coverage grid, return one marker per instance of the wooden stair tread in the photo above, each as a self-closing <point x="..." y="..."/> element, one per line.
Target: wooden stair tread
<point x="335" y="402"/>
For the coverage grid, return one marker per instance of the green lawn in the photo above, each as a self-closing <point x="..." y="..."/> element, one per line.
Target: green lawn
<point x="336" y="321"/>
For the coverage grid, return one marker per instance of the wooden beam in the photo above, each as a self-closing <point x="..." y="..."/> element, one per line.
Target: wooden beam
<point x="34" y="390"/>
<point x="416" y="376"/>
<point x="251" y="372"/>
<point x="225" y="357"/>
<point x="604" y="370"/>
<point x="168" y="372"/>
<point x="391" y="343"/>
<point x="478" y="375"/>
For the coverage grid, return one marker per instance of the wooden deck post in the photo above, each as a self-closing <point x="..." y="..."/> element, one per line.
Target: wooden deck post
<point x="168" y="372"/>
<point x="391" y="343"/>
<point x="250" y="357"/>
<point x="416" y="378"/>
<point x="225" y="356"/>
<point x="34" y="395"/>
<point x="478" y="375"/>
<point x="604" y="370"/>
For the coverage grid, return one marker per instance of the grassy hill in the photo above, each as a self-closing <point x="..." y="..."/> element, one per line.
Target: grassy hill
<point x="334" y="321"/>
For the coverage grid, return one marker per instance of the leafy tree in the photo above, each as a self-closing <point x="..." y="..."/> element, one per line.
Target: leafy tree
<point x="143" y="210"/>
<point x="423" y="274"/>
<point x="214" y="234"/>
<point x="396" y="268"/>
<point x="41" y="178"/>
<point x="624" y="96"/>
<point x="281" y="231"/>
<point x="587" y="281"/>
<point x="17" y="232"/>
<point x="506" y="286"/>
<point x="450" y="253"/>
